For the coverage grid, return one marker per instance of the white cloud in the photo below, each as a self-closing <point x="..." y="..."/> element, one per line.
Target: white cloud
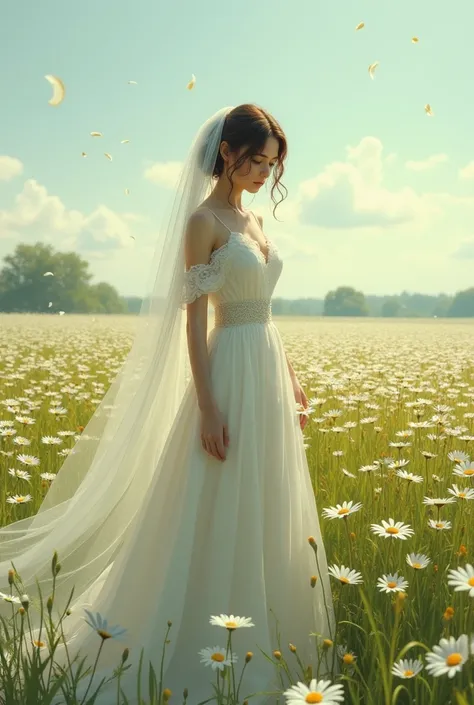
<point x="36" y="214"/>
<point x="428" y="163"/>
<point x="9" y="168"/>
<point x="351" y="195"/>
<point x="467" y="172"/>
<point x="164" y="173"/>
<point x="465" y="250"/>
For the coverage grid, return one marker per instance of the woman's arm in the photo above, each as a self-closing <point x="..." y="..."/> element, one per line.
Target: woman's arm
<point x="197" y="250"/>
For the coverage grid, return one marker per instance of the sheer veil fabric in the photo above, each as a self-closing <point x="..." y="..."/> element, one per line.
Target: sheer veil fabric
<point x="103" y="484"/>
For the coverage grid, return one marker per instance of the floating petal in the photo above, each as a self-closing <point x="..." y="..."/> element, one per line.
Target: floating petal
<point x="50" y="304"/>
<point x="124" y="141"/>
<point x="48" y="274"/>
<point x="191" y="83"/>
<point x="133" y="237"/>
<point x="108" y="156"/>
<point x="96" y="134"/>
<point x="372" y="68"/>
<point x="59" y="90"/>
<point x="127" y="191"/>
<point x="428" y="109"/>
<point x="134" y="82"/>
<point x="361" y="25"/>
<point x="84" y="154"/>
<point x="415" y="40"/>
<point x="61" y="313"/>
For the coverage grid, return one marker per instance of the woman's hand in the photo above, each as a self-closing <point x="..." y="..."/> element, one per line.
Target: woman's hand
<point x="214" y="433"/>
<point x="300" y="398"/>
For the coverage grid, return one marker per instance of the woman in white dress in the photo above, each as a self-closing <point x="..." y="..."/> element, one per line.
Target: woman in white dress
<point x="217" y="515"/>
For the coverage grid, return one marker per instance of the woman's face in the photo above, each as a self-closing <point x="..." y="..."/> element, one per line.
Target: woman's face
<point x="256" y="169"/>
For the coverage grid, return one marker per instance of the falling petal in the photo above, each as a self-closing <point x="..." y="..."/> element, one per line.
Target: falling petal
<point x="372" y="68"/>
<point x="96" y="134"/>
<point x="428" y="109"/>
<point x="124" y="141"/>
<point x="134" y="82"/>
<point x="108" y="156"/>
<point x="361" y="25"/>
<point x="61" y="313"/>
<point x="50" y="304"/>
<point x="132" y="236"/>
<point x="191" y="83"/>
<point x="127" y="191"/>
<point x="59" y="90"/>
<point x="48" y="274"/>
<point x="84" y="154"/>
<point x="415" y="40"/>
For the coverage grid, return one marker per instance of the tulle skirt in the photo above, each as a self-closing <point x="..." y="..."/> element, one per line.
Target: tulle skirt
<point x="220" y="538"/>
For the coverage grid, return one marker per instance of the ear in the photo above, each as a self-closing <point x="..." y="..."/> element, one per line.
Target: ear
<point x="224" y="150"/>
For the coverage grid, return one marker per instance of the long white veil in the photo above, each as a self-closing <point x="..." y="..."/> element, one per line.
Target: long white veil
<point x="101" y="485"/>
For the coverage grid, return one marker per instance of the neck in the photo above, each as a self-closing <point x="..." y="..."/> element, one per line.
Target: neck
<point x="220" y="196"/>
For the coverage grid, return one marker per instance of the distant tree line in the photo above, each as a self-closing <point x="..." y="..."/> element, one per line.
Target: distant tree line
<point x="36" y="279"/>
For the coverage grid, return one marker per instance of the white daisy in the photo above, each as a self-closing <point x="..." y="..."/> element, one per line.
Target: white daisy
<point x="463" y="493"/>
<point x="407" y="668"/>
<point x="10" y="598"/>
<point x="22" y="474"/>
<point x="439" y="525"/>
<point x="341" y="511"/>
<point x="464" y="469"/>
<point x="28" y="459"/>
<point x="462" y="578"/>
<point x="392" y="583"/>
<point x="51" y="440"/>
<point x="345" y="575"/>
<point x="97" y="622"/>
<point x="19" y="499"/>
<point x="409" y="476"/>
<point x="230" y="622"/>
<point x="418" y="560"/>
<point x="318" y="692"/>
<point x="437" y="501"/>
<point x="21" y="441"/>
<point x="448" y="657"/>
<point x="392" y="529"/>
<point x="48" y="475"/>
<point x="216" y="658"/>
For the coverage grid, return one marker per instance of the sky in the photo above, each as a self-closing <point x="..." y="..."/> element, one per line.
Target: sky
<point x="380" y="194"/>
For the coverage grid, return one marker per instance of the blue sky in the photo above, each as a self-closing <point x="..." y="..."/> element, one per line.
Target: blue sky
<point x="381" y="196"/>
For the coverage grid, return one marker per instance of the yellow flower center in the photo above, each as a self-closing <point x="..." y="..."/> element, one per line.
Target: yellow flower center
<point x="39" y="643"/>
<point x="468" y="472"/>
<point x="454" y="659"/>
<point x="218" y="657"/>
<point x="20" y="499"/>
<point x="344" y="510"/>
<point x="391" y="584"/>
<point x="345" y="580"/>
<point x="439" y="524"/>
<point x="416" y="565"/>
<point x="231" y="625"/>
<point x="471" y="582"/>
<point x="408" y="673"/>
<point x="392" y="530"/>
<point x="348" y="659"/>
<point x="314" y="698"/>
<point x="104" y="634"/>
<point x="462" y="494"/>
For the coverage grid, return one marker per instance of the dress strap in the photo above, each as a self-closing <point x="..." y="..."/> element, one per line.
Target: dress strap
<point x="225" y="226"/>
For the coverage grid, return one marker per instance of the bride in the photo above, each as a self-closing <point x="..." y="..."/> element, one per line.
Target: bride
<point x="188" y="495"/>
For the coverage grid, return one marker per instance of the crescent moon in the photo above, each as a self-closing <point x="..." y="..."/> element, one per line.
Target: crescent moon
<point x="59" y="90"/>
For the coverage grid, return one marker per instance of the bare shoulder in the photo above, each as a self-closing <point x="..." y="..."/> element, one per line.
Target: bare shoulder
<point x="199" y="237"/>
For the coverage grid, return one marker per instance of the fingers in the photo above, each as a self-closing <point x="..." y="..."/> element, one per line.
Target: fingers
<point x="214" y="447"/>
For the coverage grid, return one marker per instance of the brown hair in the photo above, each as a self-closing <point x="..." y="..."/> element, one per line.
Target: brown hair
<point x="250" y="125"/>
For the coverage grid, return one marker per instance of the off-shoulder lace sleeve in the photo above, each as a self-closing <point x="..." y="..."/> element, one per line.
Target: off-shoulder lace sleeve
<point x="205" y="278"/>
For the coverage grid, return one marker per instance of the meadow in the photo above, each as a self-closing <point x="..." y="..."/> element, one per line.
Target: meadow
<point x="390" y="447"/>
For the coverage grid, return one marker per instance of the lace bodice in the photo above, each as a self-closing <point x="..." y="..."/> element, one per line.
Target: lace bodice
<point x="237" y="271"/>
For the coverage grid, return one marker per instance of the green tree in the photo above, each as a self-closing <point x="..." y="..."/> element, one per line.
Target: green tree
<point x="25" y="288"/>
<point x="345" y="301"/>
<point x="391" y="307"/>
<point x="462" y="305"/>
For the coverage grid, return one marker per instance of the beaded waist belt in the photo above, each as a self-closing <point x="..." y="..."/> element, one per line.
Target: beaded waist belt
<point x="238" y="313"/>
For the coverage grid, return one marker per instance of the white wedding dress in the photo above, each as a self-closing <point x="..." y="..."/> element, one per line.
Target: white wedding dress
<point x="222" y="537"/>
